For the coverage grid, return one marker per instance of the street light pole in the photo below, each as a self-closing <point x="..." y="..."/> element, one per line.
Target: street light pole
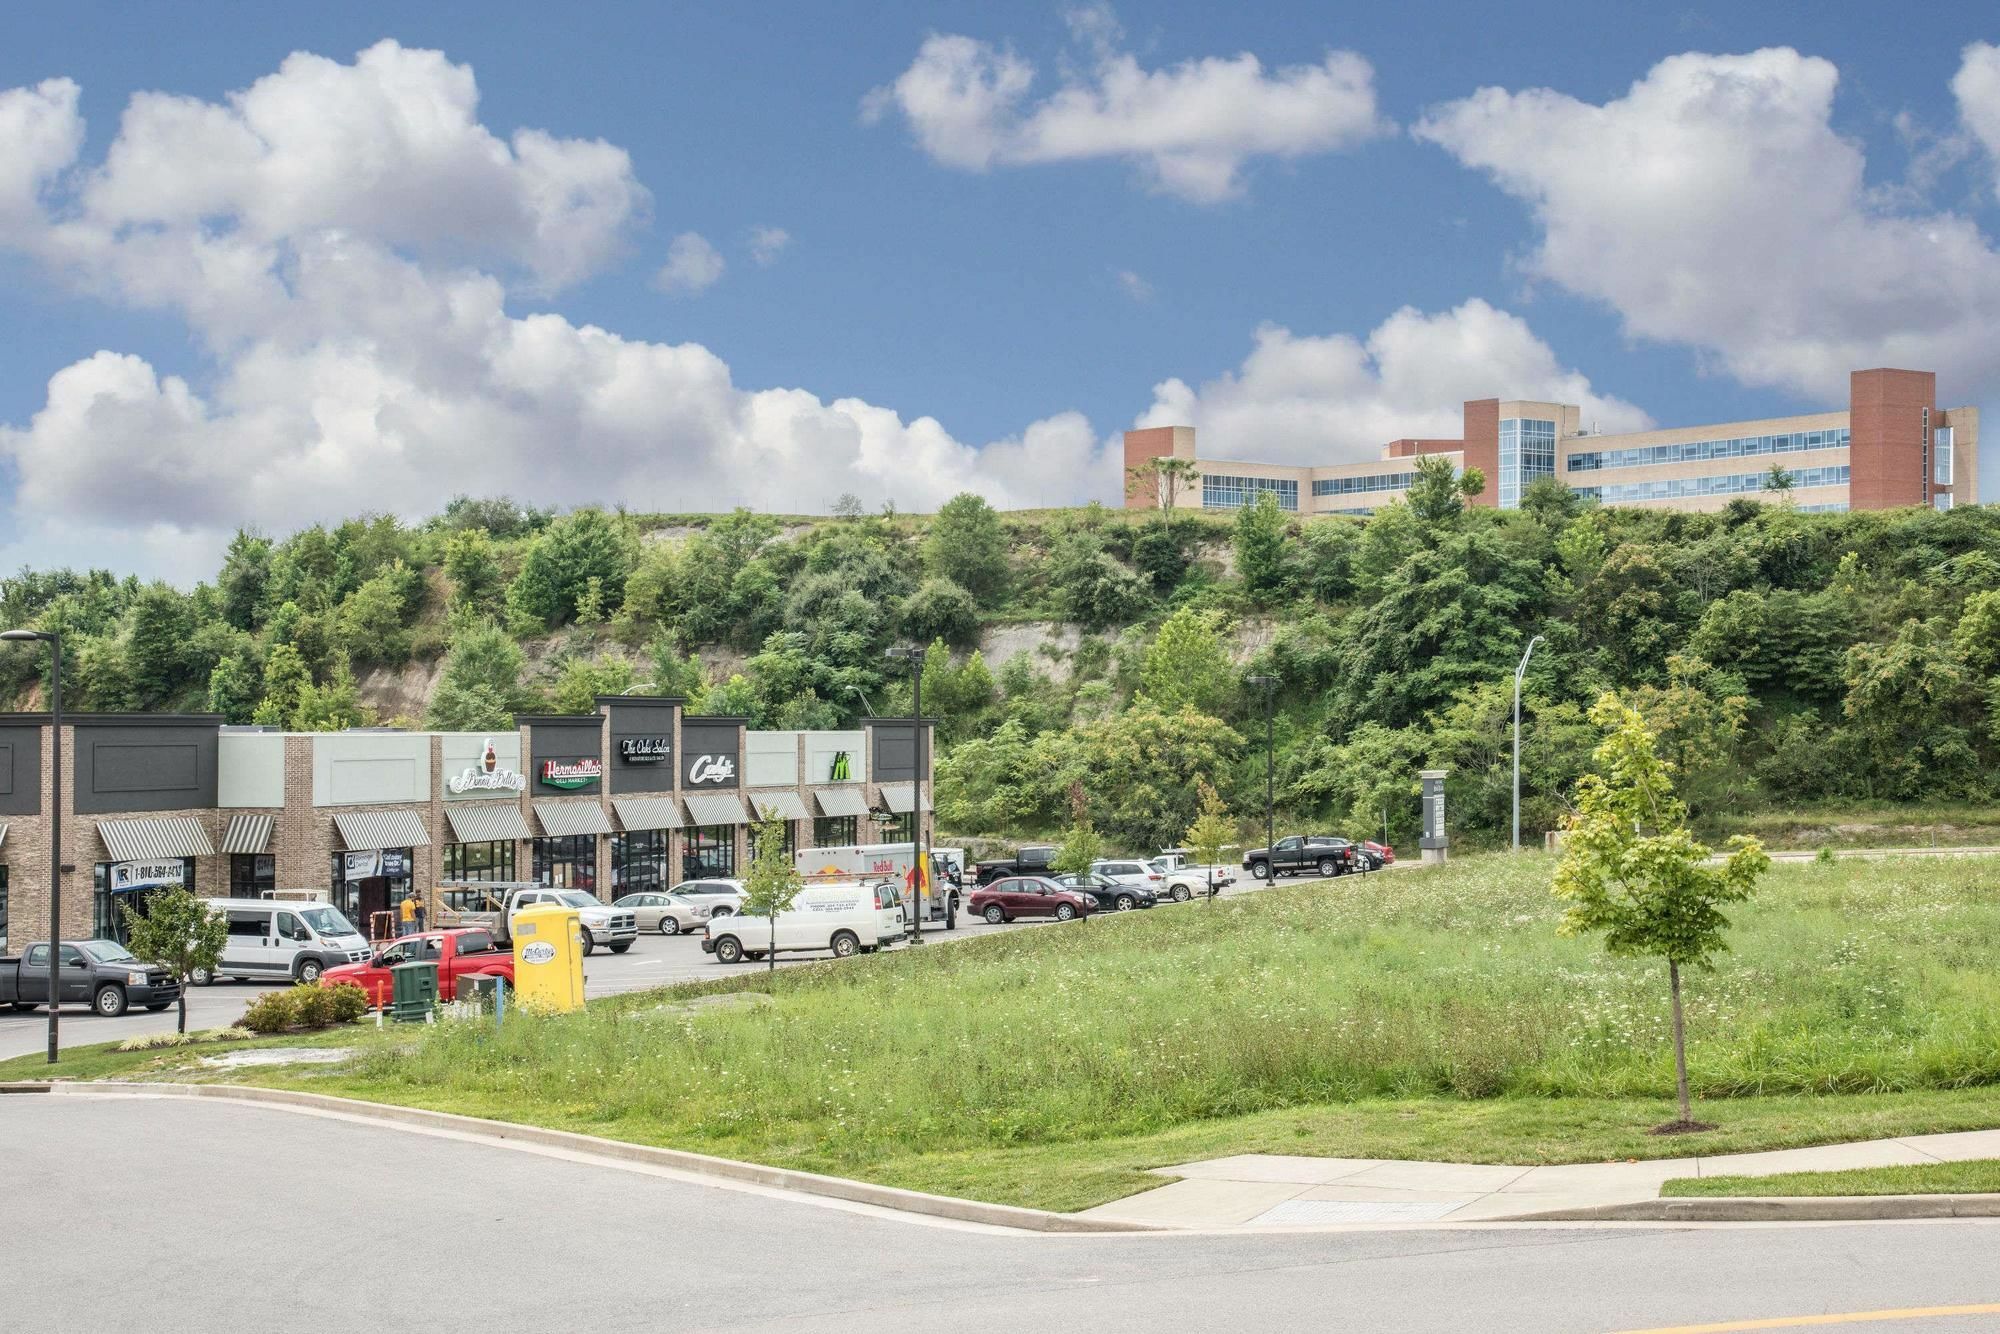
<point x="55" y="824"/>
<point x="1269" y="685"/>
<point x="1519" y="672"/>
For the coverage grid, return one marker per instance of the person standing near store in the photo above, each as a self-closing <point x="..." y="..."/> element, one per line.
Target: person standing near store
<point x="408" y="910"/>
<point x="418" y="899"/>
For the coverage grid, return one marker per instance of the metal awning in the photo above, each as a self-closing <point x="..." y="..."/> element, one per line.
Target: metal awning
<point x="638" y="813"/>
<point x="836" y="801"/>
<point x="900" y="798"/>
<point x="3" y="835"/>
<point x="571" y="819"/>
<point x="708" y="808"/>
<point x="150" y="840"/>
<point x="248" y="833"/>
<point x="487" y="821"/>
<point x="367" y="831"/>
<point x="784" y="805"/>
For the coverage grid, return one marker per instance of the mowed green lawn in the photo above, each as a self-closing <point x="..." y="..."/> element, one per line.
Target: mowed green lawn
<point x="1421" y="1013"/>
<point x="1980" y="1176"/>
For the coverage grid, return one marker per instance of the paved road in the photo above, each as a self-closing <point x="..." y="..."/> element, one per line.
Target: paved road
<point x="186" y="1216"/>
<point x="652" y="962"/>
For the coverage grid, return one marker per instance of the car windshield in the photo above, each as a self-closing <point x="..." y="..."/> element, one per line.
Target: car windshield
<point x="576" y="898"/>
<point x="108" y="951"/>
<point x="328" y="921"/>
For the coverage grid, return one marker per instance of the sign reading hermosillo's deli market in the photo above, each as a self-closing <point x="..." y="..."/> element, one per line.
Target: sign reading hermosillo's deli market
<point x="571" y="774"/>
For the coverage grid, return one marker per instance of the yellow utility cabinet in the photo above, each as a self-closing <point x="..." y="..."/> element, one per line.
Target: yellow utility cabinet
<point x="548" y="958"/>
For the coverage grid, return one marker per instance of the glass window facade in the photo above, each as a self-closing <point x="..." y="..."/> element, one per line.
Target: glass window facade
<point x="106" y="922"/>
<point x="1942" y="500"/>
<point x="1941" y="456"/>
<point x="1735" y="447"/>
<point x="1230" y="493"/>
<point x="252" y="875"/>
<point x="479" y="861"/>
<point x="897" y="829"/>
<point x="360" y="901"/>
<point x="708" y="852"/>
<point x="835" y="831"/>
<point x="1527" y="451"/>
<point x="567" y="863"/>
<point x="1354" y="486"/>
<point x="1670" y="488"/>
<point x="640" y="862"/>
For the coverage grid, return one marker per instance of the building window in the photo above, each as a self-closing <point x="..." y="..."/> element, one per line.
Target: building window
<point x="1230" y="493"/>
<point x="1379" y="481"/>
<point x="1673" y="488"/>
<point x="1941" y="500"/>
<point x="1941" y="456"/>
<point x="490" y="862"/>
<point x="1527" y="451"/>
<point x="567" y="863"/>
<point x="708" y="852"/>
<point x="897" y="829"/>
<point x="371" y="902"/>
<point x="640" y="862"/>
<point x="834" y="831"/>
<point x="106" y="922"/>
<point x="1694" y="451"/>
<point x="252" y="875"/>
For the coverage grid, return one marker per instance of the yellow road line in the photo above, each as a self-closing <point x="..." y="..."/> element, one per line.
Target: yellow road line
<point x="1842" y="1318"/>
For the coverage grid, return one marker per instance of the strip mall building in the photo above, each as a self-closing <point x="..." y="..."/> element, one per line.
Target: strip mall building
<point x="1893" y="446"/>
<point x="637" y="795"/>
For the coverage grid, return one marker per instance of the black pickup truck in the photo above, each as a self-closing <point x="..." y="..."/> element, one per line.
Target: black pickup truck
<point x="1322" y="853"/>
<point x="1032" y="859"/>
<point x="99" y="973"/>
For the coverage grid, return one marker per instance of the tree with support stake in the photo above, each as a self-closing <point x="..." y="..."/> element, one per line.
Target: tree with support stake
<point x="1210" y="833"/>
<point x="774" y="879"/>
<point x="181" y="934"/>
<point x="1632" y="870"/>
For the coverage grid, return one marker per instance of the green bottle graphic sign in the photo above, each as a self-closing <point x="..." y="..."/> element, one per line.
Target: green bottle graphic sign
<point x="841" y="772"/>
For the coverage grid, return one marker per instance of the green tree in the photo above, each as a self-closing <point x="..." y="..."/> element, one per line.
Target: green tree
<point x="1259" y="539"/>
<point x="1910" y="701"/>
<point x="940" y="609"/>
<point x="1188" y="664"/>
<point x="369" y="625"/>
<point x="1653" y="894"/>
<point x="560" y="564"/>
<point x="178" y="932"/>
<point x="1777" y="479"/>
<point x="245" y="570"/>
<point x="1438" y="491"/>
<point x="1976" y="638"/>
<point x="968" y="546"/>
<point x="233" y="688"/>
<point x="984" y="783"/>
<point x="473" y="569"/>
<point x="285" y="680"/>
<point x="1210" y="833"/>
<point x="332" y="707"/>
<point x="774" y="880"/>
<point x="1138" y="766"/>
<point x="582" y="680"/>
<point x="1697" y="718"/>
<point x="1081" y="845"/>
<point x="1161" y="552"/>
<point x="157" y="651"/>
<point x="1163" y="480"/>
<point x="479" y="685"/>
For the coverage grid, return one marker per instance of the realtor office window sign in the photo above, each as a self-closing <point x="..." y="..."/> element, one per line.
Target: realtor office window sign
<point x="570" y="775"/>
<point x="129" y="876"/>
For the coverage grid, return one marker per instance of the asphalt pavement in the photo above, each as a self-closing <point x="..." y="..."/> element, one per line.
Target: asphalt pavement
<point x="181" y="1215"/>
<point x="653" y="961"/>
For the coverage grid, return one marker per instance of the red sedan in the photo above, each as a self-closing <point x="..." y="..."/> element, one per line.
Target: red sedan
<point x="1027" y="896"/>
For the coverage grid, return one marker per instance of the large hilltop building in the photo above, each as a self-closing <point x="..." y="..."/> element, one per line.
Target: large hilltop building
<point x="1892" y="446"/>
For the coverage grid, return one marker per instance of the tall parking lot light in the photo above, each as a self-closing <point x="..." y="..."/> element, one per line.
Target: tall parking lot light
<point x="921" y="869"/>
<point x="1520" y="672"/>
<point x="1269" y="685"/>
<point x="55" y="821"/>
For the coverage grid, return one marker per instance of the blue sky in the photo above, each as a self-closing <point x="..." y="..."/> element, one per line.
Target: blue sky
<point x="1059" y="285"/>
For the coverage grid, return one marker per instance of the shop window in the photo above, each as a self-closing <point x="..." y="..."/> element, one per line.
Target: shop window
<point x="252" y="875"/>
<point x="640" y="862"/>
<point x="370" y="901"/>
<point x="106" y="922"/>
<point x="835" y="831"/>
<point x="489" y="862"/>
<point x="567" y="863"/>
<point x="709" y="852"/>
<point x="791" y="845"/>
<point x="897" y="829"/>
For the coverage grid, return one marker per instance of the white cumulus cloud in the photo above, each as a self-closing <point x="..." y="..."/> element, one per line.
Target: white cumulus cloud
<point x="1190" y="128"/>
<point x="767" y="243"/>
<point x="1714" y="205"/>
<point x="1335" y="398"/>
<point x="693" y="265"/>
<point x="1977" y="88"/>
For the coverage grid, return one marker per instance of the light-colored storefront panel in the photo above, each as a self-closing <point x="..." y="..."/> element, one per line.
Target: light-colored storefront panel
<point x="771" y="759"/>
<point x="250" y="769"/>
<point x="826" y="751"/>
<point x="471" y="773"/>
<point x="371" y="768"/>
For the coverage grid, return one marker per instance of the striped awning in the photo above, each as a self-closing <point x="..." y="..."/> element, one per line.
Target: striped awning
<point x="366" y="831"/>
<point x="3" y="835"/>
<point x="150" y="840"/>
<point x="487" y="821"/>
<point x="784" y="805"/>
<point x="709" y="808"/>
<point x="637" y="813"/>
<point x="836" y="801"/>
<point x="900" y="798"/>
<point x="248" y="833"/>
<point x="571" y="819"/>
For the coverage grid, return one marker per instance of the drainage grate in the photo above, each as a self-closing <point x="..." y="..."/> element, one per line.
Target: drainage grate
<point x="1359" y="1211"/>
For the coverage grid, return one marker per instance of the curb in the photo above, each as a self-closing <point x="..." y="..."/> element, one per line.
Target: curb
<point x="1776" y="1209"/>
<point x="699" y="1164"/>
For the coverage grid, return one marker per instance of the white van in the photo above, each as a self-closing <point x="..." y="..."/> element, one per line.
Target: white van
<point x="284" y="939"/>
<point x="843" y="918"/>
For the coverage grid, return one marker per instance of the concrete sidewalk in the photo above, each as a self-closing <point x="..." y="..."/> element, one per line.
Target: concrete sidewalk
<point x="1256" y="1190"/>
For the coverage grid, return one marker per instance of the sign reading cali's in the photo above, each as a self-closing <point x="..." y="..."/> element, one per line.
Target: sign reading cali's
<point x="571" y="773"/>
<point x="712" y="769"/>
<point x="487" y="775"/>
<point x="645" y="749"/>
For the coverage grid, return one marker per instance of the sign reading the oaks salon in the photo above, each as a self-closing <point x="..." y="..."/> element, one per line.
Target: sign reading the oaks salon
<point x="645" y="749"/>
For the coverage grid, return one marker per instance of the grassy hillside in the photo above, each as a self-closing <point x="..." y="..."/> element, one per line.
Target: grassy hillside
<point x="1827" y="662"/>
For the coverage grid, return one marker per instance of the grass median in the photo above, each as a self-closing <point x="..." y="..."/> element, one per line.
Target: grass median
<point x="1422" y="1014"/>
<point x="1978" y="1177"/>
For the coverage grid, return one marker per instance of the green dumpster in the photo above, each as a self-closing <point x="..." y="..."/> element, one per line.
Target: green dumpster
<point x="413" y="995"/>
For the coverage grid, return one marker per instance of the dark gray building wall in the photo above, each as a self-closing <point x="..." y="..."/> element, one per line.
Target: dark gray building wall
<point x="20" y="769"/>
<point x="892" y="750"/>
<point x="643" y="720"/>
<point x="565" y="739"/>
<point x="137" y="763"/>
<point x="711" y="737"/>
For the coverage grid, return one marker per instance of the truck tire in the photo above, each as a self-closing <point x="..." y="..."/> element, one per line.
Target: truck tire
<point x="619" y="947"/>
<point x="589" y="942"/>
<point x="1328" y="866"/>
<point x="845" y="944"/>
<point x="1260" y="870"/>
<point x="995" y="914"/>
<point x="109" y="1001"/>
<point x="728" y="949"/>
<point x="309" y="970"/>
<point x="24" y="1006"/>
<point x="202" y="977"/>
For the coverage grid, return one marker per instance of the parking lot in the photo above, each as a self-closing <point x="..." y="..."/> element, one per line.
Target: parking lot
<point x="654" y="961"/>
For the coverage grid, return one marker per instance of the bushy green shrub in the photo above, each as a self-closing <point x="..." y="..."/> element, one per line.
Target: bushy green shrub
<point x="305" y="1006"/>
<point x="272" y="1012"/>
<point x="349" y="1003"/>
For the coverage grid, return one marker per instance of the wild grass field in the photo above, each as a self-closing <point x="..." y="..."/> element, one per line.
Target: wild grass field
<point x="1424" y="1013"/>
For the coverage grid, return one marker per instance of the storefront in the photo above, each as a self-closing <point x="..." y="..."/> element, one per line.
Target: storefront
<point x="376" y="866"/>
<point x="642" y="852"/>
<point x="708" y="852"/>
<point x="253" y="868"/>
<point x="131" y="884"/>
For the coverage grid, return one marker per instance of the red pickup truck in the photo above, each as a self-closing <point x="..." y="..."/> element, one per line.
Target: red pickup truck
<point x="457" y="954"/>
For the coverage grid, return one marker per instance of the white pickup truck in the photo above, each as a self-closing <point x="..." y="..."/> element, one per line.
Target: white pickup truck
<point x="1195" y="882"/>
<point x="493" y="906"/>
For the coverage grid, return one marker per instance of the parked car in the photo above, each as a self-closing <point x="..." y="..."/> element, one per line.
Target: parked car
<point x="491" y="907"/>
<point x="668" y="914"/>
<point x="1029" y="859"/>
<point x="845" y="919"/>
<point x="1194" y="882"/>
<point x="99" y="973"/>
<point x="458" y="953"/>
<point x="1170" y="860"/>
<point x="1108" y="893"/>
<point x="273" y="939"/>
<point x="1382" y="852"/>
<point x="1028" y="896"/>
<point x="1299" y="852"/>
<point x="720" y="897"/>
<point x="1127" y="872"/>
